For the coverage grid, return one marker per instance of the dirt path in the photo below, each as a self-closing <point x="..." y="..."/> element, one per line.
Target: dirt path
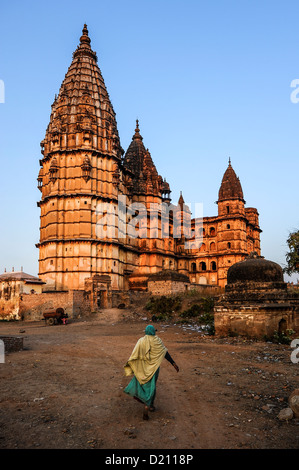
<point x="65" y="390"/>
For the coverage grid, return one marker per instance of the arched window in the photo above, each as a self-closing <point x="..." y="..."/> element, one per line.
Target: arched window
<point x="193" y="267"/>
<point x="202" y="266"/>
<point x="228" y="226"/>
<point x="213" y="266"/>
<point x="227" y="209"/>
<point x="229" y="245"/>
<point x="212" y="246"/>
<point x="212" y="231"/>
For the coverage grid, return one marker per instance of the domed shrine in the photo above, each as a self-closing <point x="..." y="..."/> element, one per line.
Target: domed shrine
<point x="256" y="302"/>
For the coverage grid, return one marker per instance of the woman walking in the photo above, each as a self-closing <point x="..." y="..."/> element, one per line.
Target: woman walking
<point x="144" y="363"/>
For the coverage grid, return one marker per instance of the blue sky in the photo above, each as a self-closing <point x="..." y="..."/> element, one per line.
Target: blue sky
<point x="207" y="81"/>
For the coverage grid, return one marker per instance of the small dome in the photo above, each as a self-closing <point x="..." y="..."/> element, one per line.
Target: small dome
<point x="165" y="186"/>
<point x="255" y="269"/>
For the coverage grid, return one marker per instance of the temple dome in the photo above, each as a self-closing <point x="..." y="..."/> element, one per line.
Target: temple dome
<point x="254" y="269"/>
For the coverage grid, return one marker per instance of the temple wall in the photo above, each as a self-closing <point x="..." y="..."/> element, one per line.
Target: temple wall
<point x="255" y="321"/>
<point x="167" y="287"/>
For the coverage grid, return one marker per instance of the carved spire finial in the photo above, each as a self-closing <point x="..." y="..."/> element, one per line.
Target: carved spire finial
<point x="137" y="131"/>
<point x="85" y="39"/>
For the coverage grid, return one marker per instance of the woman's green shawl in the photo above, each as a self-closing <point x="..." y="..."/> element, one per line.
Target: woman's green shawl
<point x="146" y="358"/>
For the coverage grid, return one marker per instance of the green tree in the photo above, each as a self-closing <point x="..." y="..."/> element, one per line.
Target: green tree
<point x="292" y="256"/>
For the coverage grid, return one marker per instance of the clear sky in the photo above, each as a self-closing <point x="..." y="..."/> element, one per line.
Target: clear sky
<point x="208" y="80"/>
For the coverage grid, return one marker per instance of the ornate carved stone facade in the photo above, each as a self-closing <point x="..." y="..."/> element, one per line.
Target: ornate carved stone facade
<point x="84" y="169"/>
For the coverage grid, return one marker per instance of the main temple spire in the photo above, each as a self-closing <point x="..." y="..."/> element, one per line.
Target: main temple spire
<point x="81" y="152"/>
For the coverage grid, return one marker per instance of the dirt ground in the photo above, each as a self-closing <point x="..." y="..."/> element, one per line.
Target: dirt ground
<point x="64" y="390"/>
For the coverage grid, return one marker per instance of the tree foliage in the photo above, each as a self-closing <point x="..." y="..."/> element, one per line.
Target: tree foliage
<point x="292" y="256"/>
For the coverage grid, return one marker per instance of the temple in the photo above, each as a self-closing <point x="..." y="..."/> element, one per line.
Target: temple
<point x="107" y="214"/>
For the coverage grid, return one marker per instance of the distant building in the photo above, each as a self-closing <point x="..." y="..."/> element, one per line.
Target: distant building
<point x="84" y="168"/>
<point x="13" y="285"/>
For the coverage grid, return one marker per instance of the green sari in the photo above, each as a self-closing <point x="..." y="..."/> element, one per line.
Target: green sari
<point x="146" y="392"/>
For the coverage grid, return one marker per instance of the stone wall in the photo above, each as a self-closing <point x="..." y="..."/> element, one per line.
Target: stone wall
<point x="12" y="343"/>
<point x="32" y="307"/>
<point x="166" y="287"/>
<point x="255" y="321"/>
<point x="9" y="309"/>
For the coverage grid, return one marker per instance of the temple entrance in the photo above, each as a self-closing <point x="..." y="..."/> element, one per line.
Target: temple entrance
<point x="97" y="289"/>
<point x="99" y="299"/>
<point x="282" y="326"/>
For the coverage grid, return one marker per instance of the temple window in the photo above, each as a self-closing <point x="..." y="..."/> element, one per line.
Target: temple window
<point x="203" y="266"/>
<point x="40" y="179"/>
<point x="53" y="170"/>
<point x="86" y="168"/>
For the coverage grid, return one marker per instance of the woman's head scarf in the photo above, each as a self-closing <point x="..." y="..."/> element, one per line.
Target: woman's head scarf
<point x="150" y="330"/>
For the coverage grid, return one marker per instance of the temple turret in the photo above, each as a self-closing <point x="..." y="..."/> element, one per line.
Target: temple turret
<point x="234" y="227"/>
<point x="230" y="186"/>
<point x="139" y="163"/>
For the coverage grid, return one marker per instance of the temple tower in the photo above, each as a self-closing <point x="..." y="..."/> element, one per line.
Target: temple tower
<point x="233" y="225"/>
<point x="79" y="177"/>
<point x="149" y="190"/>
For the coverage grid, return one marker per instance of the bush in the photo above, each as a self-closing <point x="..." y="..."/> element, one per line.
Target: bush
<point x="203" y="314"/>
<point x="208" y="304"/>
<point x="192" y="312"/>
<point x="162" y="308"/>
<point x="283" y="337"/>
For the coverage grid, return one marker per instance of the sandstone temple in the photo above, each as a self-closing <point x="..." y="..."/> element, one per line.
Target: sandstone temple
<point x="84" y="165"/>
<point x="107" y="222"/>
